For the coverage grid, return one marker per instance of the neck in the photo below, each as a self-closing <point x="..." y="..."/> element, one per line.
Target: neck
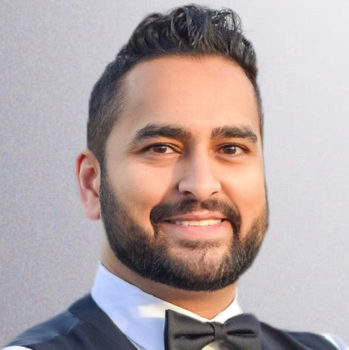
<point x="206" y="304"/>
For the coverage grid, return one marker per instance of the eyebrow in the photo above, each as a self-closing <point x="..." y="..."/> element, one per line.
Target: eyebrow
<point x="178" y="133"/>
<point x="243" y="132"/>
<point x="153" y="130"/>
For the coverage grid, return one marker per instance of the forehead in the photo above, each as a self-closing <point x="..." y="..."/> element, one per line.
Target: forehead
<point x="196" y="93"/>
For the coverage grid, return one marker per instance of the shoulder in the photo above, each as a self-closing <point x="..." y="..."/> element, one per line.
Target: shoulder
<point x="275" y="337"/>
<point x="83" y="326"/>
<point x="59" y="325"/>
<point x="55" y="329"/>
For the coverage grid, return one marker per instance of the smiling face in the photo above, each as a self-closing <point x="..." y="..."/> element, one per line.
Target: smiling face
<point x="182" y="189"/>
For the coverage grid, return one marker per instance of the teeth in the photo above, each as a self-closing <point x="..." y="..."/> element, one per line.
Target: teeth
<point x="198" y="222"/>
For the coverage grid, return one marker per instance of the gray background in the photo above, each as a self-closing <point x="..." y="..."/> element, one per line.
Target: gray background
<point x="52" y="52"/>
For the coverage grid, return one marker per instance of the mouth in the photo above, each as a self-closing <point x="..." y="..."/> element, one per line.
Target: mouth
<point x="204" y="222"/>
<point x="200" y="225"/>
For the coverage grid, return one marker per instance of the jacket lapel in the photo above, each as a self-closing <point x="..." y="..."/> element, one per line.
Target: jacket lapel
<point x="88" y="311"/>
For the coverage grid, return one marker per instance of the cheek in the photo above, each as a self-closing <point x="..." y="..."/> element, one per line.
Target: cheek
<point x="247" y="191"/>
<point x="140" y="188"/>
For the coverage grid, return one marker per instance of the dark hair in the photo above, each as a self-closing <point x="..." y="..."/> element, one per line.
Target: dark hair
<point x="188" y="30"/>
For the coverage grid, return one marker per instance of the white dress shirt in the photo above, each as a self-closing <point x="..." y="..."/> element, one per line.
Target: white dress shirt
<point x="141" y="316"/>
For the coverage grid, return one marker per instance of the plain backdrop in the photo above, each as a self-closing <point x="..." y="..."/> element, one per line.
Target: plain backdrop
<point x="51" y="54"/>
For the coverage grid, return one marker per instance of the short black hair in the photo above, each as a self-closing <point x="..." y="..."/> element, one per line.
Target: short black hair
<point x="191" y="30"/>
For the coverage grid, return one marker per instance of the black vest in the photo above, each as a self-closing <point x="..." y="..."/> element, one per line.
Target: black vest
<point x="86" y="327"/>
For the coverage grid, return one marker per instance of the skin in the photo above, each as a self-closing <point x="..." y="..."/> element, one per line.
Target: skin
<point x="199" y="96"/>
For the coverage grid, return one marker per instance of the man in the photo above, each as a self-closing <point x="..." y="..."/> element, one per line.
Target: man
<point x="174" y="168"/>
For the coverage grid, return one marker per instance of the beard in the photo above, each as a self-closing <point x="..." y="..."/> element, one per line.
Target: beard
<point x="199" y="265"/>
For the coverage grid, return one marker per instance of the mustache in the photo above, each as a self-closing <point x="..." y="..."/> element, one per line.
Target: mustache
<point x="163" y="211"/>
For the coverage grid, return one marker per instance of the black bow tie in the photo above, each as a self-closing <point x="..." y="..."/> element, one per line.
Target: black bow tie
<point x="185" y="333"/>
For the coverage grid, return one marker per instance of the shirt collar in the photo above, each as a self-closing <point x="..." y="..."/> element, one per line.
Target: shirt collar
<point x="139" y="315"/>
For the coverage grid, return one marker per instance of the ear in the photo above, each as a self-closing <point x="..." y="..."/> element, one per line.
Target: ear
<point x="88" y="174"/>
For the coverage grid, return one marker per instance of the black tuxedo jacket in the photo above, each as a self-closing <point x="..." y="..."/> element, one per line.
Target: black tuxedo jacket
<point x="85" y="326"/>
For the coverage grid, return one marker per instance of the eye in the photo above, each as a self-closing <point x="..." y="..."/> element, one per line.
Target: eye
<point x="161" y="148"/>
<point x="232" y="149"/>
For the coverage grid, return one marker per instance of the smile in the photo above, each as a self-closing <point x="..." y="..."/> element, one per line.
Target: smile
<point x="196" y="222"/>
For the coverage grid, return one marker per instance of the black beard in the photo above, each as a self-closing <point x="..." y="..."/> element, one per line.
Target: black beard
<point x="148" y="255"/>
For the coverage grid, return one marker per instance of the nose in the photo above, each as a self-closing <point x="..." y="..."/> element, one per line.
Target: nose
<point x="199" y="178"/>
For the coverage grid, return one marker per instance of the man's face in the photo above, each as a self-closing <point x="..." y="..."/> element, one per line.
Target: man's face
<point x="182" y="191"/>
